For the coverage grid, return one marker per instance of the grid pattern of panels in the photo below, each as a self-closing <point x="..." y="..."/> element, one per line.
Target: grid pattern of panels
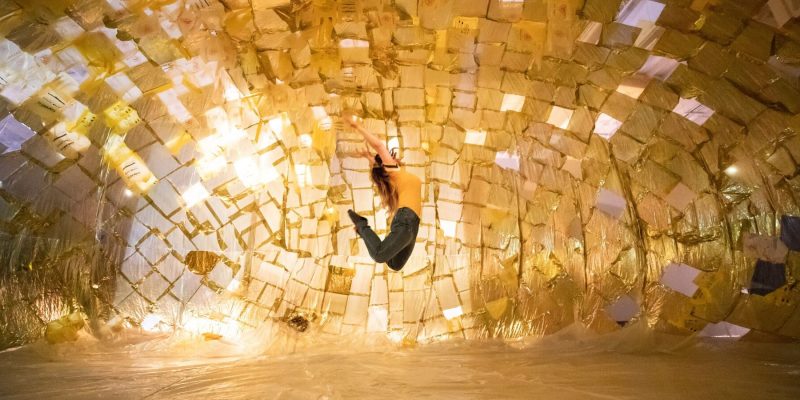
<point x="595" y="161"/>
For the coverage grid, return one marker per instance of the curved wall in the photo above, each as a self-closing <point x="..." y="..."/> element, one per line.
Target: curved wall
<point x="182" y="165"/>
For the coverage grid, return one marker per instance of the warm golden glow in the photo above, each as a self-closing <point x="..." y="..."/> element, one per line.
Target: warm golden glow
<point x="254" y="171"/>
<point x="582" y="162"/>
<point x="195" y="194"/>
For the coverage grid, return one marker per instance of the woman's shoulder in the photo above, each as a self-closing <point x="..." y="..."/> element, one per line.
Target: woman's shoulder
<point x="409" y="175"/>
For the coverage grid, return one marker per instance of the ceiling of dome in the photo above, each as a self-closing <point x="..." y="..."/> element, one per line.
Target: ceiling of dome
<point x="183" y="164"/>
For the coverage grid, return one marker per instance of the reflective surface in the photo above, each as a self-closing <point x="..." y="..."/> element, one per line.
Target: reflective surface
<point x="572" y="364"/>
<point x="182" y="166"/>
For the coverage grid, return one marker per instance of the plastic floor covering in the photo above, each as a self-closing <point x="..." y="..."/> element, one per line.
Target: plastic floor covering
<point x="570" y="365"/>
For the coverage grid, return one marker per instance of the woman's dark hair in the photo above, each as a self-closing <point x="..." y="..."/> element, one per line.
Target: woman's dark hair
<point x="387" y="191"/>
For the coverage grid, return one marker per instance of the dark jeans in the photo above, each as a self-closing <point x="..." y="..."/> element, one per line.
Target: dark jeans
<point x="399" y="243"/>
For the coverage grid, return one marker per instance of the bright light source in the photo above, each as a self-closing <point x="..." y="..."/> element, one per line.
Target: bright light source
<point x="234" y="285"/>
<point x="451" y="313"/>
<point x="175" y="144"/>
<point x="394" y="143"/>
<point x="231" y="92"/>
<point x="247" y="169"/>
<point x="207" y="168"/>
<point x="225" y="327"/>
<point x="276" y="125"/>
<point x="396" y="336"/>
<point x="268" y="171"/>
<point x="305" y="140"/>
<point x="560" y="117"/>
<point x="128" y="193"/>
<point x="731" y="171"/>
<point x="331" y="214"/>
<point x="512" y="102"/>
<point x="150" y="322"/>
<point x="303" y="173"/>
<point x="215" y="144"/>
<point x="319" y="112"/>
<point x="251" y="174"/>
<point x="217" y="119"/>
<point x="448" y="227"/>
<point x="475" y="137"/>
<point x="195" y="194"/>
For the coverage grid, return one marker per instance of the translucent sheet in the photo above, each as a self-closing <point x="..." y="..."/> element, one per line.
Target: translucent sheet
<point x="182" y="166"/>
<point x="572" y="364"/>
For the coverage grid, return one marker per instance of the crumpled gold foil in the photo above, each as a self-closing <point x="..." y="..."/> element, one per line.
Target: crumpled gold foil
<point x="570" y="158"/>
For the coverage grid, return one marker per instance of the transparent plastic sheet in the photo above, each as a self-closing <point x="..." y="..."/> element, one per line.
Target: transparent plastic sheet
<point x="203" y="205"/>
<point x="570" y="364"/>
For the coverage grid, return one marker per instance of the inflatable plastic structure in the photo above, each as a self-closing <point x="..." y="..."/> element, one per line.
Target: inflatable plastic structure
<point x="182" y="166"/>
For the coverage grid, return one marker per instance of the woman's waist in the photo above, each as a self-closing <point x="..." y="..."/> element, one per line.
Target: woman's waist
<point x="415" y="207"/>
<point x="406" y="213"/>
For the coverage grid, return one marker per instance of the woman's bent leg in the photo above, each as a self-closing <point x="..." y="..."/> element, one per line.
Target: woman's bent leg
<point x="396" y="241"/>
<point x="397" y="262"/>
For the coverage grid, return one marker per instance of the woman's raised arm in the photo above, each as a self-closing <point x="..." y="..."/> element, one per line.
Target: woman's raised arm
<point x="371" y="139"/>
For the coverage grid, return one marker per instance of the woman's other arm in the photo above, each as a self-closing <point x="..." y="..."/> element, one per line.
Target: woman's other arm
<point x="371" y="139"/>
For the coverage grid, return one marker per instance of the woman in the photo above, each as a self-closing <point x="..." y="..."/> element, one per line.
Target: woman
<point x="401" y="194"/>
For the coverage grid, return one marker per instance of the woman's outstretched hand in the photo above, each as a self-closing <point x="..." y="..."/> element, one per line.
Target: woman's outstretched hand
<point x="351" y="119"/>
<point x="396" y="157"/>
<point x="377" y="144"/>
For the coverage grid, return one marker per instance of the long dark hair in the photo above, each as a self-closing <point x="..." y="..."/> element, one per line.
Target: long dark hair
<point x="387" y="191"/>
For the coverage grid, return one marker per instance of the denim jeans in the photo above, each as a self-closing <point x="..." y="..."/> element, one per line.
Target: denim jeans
<point x="396" y="248"/>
